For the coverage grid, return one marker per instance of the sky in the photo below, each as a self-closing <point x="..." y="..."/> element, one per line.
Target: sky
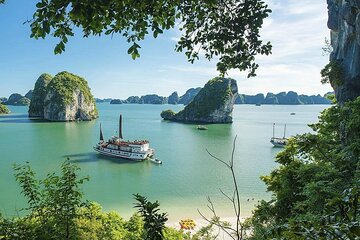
<point x="296" y="29"/>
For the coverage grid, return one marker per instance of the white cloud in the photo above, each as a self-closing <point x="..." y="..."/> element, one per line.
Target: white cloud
<point x="296" y="30"/>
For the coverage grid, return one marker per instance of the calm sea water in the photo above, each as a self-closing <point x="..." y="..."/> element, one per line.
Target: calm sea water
<point x="188" y="174"/>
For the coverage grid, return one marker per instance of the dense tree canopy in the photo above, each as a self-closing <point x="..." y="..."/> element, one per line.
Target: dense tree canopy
<point x="227" y="30"/>
<point x="316" y="192"/>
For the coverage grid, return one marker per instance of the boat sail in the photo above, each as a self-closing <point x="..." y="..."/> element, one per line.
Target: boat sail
<point x="137" y="150"/>
<point x="279" y="142"/>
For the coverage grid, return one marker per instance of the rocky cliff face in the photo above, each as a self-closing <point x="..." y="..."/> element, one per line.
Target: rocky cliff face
<point x="344" y="23"/>
<point x="173" y="98"/>
<point x="29" y="94"/>
<point x="36" y="108"/>
<point x="213" y="104"/>
<point x="68" y="98"/>
<point x="189" y="96"/>
<point x="78" y="109"/>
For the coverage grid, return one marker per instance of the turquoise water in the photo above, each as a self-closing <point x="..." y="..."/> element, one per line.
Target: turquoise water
<point x="188" y="174"/>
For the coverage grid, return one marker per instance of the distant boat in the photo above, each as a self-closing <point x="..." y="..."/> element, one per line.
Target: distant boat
<point x="279" y="142"/>
<point x="137" y="150"/>
<point x="155" y="160"/>
<point x="202" y="127"/>
<point x="292" y="113"/>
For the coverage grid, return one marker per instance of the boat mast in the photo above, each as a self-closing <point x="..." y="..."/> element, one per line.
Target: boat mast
<point x="284" y="130"/>
<point x="101" y="134"/>
<point x="273" y="130"/>
<point x="120" y="127"/>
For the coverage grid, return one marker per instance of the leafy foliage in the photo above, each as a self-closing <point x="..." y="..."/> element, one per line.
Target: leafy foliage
<point x="56" y="210"/>
<point x="154" y="222"/>
<point x="316" y="188"/>
<point x="4" y="109"/>
<point x="53" y="202"/>
<point x="225" y="29"/>
<point x="332" y="73"/>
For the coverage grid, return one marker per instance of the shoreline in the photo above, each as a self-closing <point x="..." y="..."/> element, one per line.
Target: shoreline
<point x="200" y="222"/>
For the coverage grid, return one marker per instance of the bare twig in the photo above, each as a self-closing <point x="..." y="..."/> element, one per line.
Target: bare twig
<point x="238" y="233"/>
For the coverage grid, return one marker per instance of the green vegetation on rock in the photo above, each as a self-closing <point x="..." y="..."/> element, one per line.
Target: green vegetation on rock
<point x="167" y="114"/>
<point x="64" y="84"/>
<point x="36" y="108"/>
<point x="214" y="103"/>
<point x="211" y="97"/>
<point x="4" y="109"/>
<point x="68" y="98"/>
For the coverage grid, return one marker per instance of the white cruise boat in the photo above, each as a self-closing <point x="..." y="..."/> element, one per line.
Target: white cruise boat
<point x="279" y="142"/>
<point x="137" y="150"/>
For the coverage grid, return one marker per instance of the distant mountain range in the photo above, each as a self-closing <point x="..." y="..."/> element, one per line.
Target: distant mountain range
<point x="156" y="99"/>
<point x="282" y="98"/>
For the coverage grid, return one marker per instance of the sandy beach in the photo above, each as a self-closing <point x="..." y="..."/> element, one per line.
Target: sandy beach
<point x="200" y="222"/>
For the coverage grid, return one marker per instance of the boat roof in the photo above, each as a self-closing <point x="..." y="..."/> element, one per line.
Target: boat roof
<point x="277" y="138"/>
<point x="126" y="143"/>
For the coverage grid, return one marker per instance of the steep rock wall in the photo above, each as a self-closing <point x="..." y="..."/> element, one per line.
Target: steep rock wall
<point x="344" y="23"/>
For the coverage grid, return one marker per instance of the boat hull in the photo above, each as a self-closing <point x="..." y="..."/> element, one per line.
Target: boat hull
<point x="122" y="154"/>
<point x="279" y="142"/>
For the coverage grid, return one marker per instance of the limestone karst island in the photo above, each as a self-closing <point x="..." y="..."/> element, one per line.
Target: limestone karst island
<point x="64" y="97"/>
<point x="213" y="104"/>
<point x="180" y="120"/>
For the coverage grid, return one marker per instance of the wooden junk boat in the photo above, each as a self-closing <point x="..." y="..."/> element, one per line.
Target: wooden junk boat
<point x="279" y="142"/>
<point x="137" y="150"/>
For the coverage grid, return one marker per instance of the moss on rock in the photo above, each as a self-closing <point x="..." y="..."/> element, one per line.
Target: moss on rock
<point x="36" y="108"/>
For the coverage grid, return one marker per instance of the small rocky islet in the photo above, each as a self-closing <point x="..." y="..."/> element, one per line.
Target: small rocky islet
<point x="65" y="97"/>
<point x="213" y="104"/>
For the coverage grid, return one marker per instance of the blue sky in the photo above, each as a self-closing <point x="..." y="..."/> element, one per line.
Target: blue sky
<point x="296" y="29"/>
